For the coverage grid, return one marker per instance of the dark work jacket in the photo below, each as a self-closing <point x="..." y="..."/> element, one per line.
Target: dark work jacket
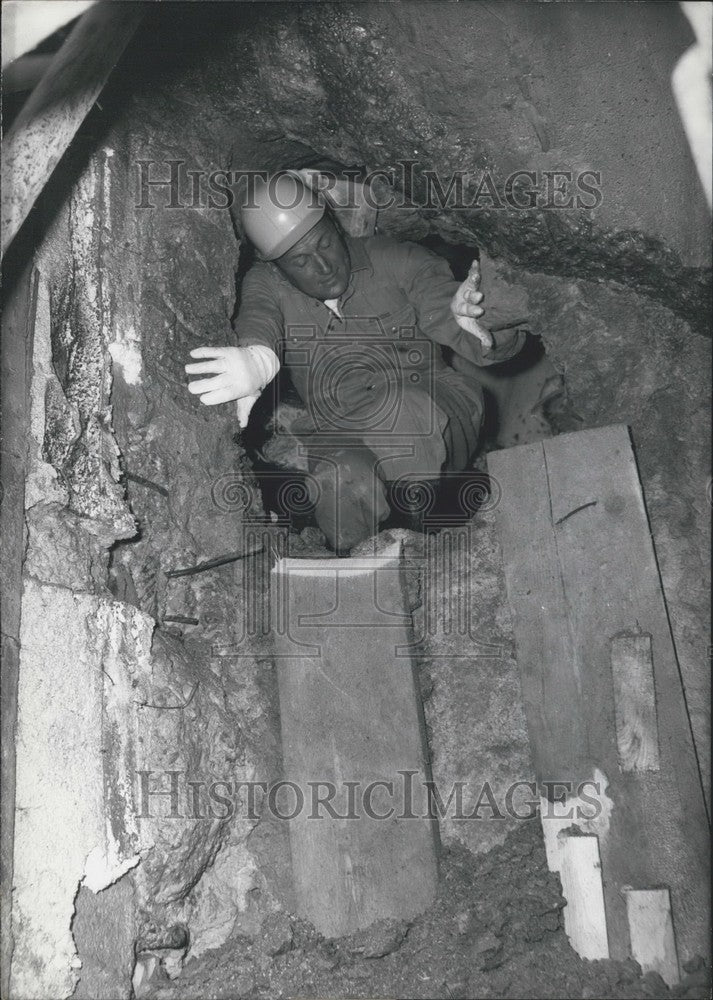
<point x="397" y="318"/>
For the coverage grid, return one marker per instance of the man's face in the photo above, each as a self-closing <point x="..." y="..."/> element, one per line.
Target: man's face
<point x="319" y="263"/>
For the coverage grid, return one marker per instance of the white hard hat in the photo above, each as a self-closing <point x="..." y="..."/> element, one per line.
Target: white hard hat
<point x="283" y="210"/>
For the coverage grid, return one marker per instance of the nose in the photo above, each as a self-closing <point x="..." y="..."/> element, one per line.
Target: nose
<point x="321" y="265"/>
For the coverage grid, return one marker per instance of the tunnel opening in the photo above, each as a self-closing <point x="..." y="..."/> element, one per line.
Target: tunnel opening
<point x="525" y="400"/>
<point x="152" y="526"/>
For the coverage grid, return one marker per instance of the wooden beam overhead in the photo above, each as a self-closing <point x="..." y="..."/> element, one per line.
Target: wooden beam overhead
<point x="59" y="104"/>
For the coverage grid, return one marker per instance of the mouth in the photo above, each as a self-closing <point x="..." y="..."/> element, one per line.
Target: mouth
<point x="334" y="283"/>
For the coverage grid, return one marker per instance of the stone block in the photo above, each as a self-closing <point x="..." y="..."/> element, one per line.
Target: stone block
<point x="104" y="930"/>
<point x="81" y="660"/>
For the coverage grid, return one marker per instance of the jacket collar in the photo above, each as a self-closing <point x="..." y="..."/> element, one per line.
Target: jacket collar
<point x="358" y="253"/>
<point x="359" y="260"/>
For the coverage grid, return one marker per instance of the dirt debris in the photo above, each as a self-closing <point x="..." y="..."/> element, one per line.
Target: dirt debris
<point x="494" y="930"/>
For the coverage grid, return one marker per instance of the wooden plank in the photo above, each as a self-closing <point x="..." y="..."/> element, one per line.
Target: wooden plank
<point x="58" y="105"/>
<point x="350" y="713"/>
<point x="585" y="920"/>
<point x="603" y="581"/>
<point x="658" y="835"/>
<point x="653" y="943"/>
<point x="25" y="25"/>
<point x="635" y="702"/>
<point x="18" y="325"/>
<point x="547" y="655"/>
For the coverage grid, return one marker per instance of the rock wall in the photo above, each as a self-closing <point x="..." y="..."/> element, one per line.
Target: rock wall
<point x="144" y="670"/>
<point x="620" y="292"/>
<point x="487" y="90"/>
<point x="132" y="678"/>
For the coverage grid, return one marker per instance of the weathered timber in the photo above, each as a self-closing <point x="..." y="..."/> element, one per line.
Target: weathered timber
<point x="351" y="721"/>
<point x="585" y="919"/>
<point x="18" y="322"/>
<point x="635" y="702"/>
<point x="653" y="944"/>
<point x="580" y="570"/>
<point x="58" y="105"/>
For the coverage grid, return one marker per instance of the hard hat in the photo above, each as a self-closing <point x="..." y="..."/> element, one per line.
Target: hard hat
<point x="282" y="211"/>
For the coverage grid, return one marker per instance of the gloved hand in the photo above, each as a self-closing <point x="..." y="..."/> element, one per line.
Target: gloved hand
<point x="465" y="308"/>
<point x="239" y="373"/>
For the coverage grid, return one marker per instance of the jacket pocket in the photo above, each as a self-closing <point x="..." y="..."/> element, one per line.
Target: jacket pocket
<point x="401" y="324"/>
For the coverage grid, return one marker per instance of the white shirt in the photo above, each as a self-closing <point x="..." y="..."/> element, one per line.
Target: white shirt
<point x="333" y="304"/>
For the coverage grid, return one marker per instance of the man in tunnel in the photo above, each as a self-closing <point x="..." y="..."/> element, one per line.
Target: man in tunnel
<point x="360" y="325"/>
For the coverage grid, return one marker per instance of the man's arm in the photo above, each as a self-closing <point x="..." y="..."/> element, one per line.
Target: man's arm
<point x="429" y="285"/>
<point x="260" y="320"/>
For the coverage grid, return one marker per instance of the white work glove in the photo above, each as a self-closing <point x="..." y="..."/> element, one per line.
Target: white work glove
<point x="465" y="308"/>
<point x="239" y="373"/>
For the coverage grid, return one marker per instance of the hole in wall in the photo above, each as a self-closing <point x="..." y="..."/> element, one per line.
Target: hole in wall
<point x="525" y="400"/>
<point x="194" y="620"/>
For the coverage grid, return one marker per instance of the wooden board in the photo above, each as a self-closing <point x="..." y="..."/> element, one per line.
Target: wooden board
<point x="19" y="318"/>
<point x="58" y="105"/>
<point x="548" y="654"/>
<point x="350" y="713"/>
<point x="580" y="569"/>
<point x="653" y="944"/>
<point x="584" y="917"/>
<point x="637" y="734"/>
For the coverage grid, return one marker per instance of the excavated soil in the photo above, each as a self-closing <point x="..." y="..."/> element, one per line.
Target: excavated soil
<point x="494" y="930"/>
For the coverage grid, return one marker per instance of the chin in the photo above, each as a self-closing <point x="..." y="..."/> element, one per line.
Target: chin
<point x="337" y="289"/>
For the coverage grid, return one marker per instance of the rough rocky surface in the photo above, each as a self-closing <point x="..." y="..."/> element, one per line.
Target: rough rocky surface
<point x="474" y="713"/>
<point x="78" y="442"/>
<point x="619" y="293"/>
<point x="132" y="480"/>
<point x="104" y="929"/>
<point x="494" y="930"/>
<point x="464" y="648"/>
<point x="82" y="658"/>
<point x="195" y="503"/>
<point x="480" y="90"/>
